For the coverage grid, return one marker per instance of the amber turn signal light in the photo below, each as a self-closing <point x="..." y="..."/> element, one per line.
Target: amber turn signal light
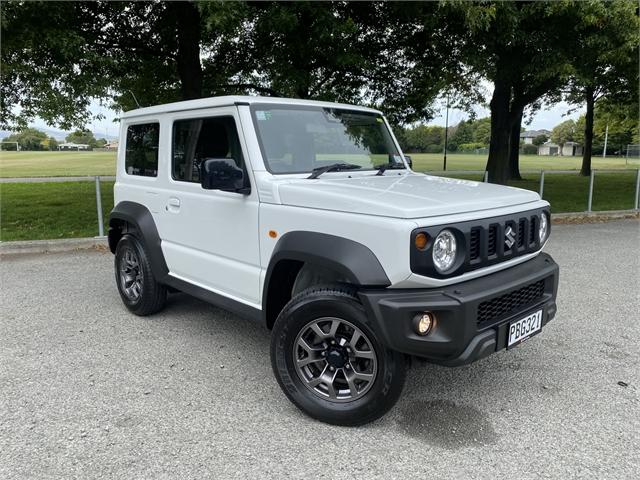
<point x="273" y="233"/>
<point x="421" y="241"/>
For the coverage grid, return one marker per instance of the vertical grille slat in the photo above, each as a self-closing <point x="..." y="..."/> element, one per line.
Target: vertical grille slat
<point x="521" y="232"/>
<point x="474" y="244"/>
<point x="491" y="242"/>
<point x="532" y="230"/>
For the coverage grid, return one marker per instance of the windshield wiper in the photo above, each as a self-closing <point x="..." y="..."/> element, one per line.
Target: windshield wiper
<point x="334" y="167"/>
<point x="389" y="166"/>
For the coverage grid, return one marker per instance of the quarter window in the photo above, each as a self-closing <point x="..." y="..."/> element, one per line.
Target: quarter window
<point x="196" y="140"/>
<point x="141" y="155"/>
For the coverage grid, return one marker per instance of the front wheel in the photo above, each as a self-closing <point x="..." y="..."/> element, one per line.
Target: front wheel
<point x="139" y="290"/>
<point x="330" y="362"/>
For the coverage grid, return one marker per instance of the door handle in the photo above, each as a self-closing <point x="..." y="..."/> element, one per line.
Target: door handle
<point x="173" y="205"/>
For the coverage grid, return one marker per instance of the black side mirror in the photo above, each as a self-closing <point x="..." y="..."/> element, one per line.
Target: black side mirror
<point x="409" y="161"/>
<point x="222" y="174"/>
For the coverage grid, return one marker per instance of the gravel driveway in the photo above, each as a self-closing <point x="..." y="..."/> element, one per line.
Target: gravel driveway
<point x="88" y="390"/>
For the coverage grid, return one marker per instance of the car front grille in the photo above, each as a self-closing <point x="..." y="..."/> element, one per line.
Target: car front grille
<point x="485" y="242"/>
<point x="501" y="306"/>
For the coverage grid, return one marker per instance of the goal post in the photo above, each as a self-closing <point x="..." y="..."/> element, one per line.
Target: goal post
<point x="10" y="143"/>
<point x="633" y="151"/>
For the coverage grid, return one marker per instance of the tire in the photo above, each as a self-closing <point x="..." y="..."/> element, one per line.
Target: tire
<point x="295" y="341"/>
<point x="138" y="288"/>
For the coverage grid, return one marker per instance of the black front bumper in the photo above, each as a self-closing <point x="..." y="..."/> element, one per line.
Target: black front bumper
<point x="472" y="318"/>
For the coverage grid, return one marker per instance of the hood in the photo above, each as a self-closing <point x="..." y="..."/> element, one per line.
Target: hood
<point x="402" y="196"/>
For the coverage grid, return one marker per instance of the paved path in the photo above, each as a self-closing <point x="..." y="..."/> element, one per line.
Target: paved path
<point x="55" y="179"/>
<point x="89" y="391"/>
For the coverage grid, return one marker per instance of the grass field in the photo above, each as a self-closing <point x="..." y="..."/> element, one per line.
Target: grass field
<point x="424" y="162"/>
<point x="63" y="210"/>
<point x="36" y="211"/>
<point x="56" y="164"/>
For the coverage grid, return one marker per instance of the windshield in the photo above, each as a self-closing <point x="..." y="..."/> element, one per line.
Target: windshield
<point x="298" y="140"/>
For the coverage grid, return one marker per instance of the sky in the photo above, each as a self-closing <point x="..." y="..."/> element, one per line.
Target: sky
<point x="543" y="119"/>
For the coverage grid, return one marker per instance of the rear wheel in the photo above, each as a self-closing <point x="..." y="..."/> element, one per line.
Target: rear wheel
<point x="138" y="288"/>
<point x="330" y="362"/>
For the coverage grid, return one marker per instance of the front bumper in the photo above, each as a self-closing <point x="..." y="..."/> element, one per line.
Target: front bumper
<point x="472" y="317"/>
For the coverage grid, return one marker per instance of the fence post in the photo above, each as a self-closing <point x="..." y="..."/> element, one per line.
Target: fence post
<point x="541" y="182"/>
<point x="589" y="201"/>
<point x="635" y="205"/>
<point x="99" y="207"/>
<point x="486" y="176"/>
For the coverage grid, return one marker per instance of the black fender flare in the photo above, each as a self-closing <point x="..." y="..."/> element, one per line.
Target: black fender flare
<point x="141" y="220"/>
<point x="352" y="260"/>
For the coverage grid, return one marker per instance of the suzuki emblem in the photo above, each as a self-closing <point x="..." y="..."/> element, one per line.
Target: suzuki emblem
<point x="509" y="237"/>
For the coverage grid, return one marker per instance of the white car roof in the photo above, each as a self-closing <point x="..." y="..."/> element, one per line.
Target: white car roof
<point x="235" y="100"/>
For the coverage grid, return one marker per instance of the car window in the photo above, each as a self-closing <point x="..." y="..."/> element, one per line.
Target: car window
<point x="299" y="139"/>
<point x="141" y="154"/>
<point x="198" y="139"/>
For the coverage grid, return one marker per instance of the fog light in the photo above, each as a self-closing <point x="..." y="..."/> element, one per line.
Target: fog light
<point x="423" y="323"/>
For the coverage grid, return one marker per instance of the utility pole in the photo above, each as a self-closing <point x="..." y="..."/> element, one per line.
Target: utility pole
<point x="606" y="137"/>
<point x="446" y="133"/>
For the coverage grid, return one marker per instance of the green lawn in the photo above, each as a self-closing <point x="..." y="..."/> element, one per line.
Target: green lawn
<point x="36" y="211"/>
<point x="423" y="162"/>
<point x="56" y="164"/>
<point x="33" y="211"/>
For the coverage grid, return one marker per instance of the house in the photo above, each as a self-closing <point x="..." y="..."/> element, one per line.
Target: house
<point x="74" y="146"/>
<point x="569" y="149"/>
<point x="113" y="145"/>
<point x="528" y="136"/>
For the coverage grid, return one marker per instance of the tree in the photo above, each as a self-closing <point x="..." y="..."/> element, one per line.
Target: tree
<point x="49" y="144"/>
<point x="58" y="56"/>
<point x="540" y="140"/>
<point x="424" y="138"/>
<point x="518" y="46"/>
<point x="84" y="137"/>
<point x="28" y="139"/>
<point x="605" y="62"/>
<point x="482" y="131"/>
<point x="463" y="133"/>
<point x="618" y="121"/>
<point x="563" y="132"/>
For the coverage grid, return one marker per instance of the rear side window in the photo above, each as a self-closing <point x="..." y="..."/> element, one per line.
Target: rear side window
<point x="198" y="139"/>
<point x="141" y="155"/>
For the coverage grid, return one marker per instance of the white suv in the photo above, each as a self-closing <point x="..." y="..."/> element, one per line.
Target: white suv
<point x="306" y="216"/>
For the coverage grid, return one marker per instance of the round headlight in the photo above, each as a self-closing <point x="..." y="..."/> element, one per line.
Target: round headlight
<point x="543" y="231"/>
<point x="444" y="251"/>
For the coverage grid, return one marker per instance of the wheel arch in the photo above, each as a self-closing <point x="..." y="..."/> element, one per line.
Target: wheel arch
<point x="136" y="219"/>
<point x="350" y="260"/>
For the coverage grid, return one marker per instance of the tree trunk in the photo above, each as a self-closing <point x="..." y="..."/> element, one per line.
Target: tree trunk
<point x="514" y="145"/>
<point x="498" y="161"/>
<point x="188" y="33"/>
<point x="588" y="133"/>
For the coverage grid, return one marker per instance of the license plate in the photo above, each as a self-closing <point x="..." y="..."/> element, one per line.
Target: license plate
<point x="522" y="329"/>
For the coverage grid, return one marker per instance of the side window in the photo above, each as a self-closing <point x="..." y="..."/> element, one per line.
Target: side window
<point x="141" y="155"/>
<point x="195" y="140"/>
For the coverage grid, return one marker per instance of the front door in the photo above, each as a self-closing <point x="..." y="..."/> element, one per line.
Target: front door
<point x="210" y="237"/>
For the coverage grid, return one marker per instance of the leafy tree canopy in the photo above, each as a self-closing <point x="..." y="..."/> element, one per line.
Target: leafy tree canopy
<point x="28" y="138"/>
<point x="84" y="137"/>
<point x="564" y="132"/>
